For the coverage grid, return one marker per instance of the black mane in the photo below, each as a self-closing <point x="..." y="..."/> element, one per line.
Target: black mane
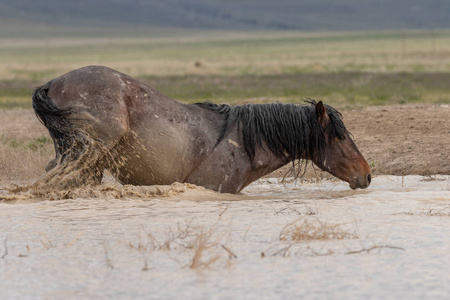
<point x="289" y="131"/>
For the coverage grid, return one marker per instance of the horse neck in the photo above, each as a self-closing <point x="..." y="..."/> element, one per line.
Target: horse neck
<point x="264" y="163"/>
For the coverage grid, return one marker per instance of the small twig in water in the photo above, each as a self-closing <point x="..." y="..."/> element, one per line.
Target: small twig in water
<point x="320" y="253"/>
<point x="367" y="250"/>
<point x="145" y="268"/>
<point x="231" y="254"/>
<point x="245" y="235"/>
<point x="281" y="210"/>
<point x="47" y="246"/>
<point x="6" y="248"/>
<point x="284" y="252"/>
<point x="224" y="211"/>
<point x="108" y="260"/>
<point x="73" y="241"/>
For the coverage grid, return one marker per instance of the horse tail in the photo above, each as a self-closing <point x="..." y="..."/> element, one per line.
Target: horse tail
<point x="55" y="120"/>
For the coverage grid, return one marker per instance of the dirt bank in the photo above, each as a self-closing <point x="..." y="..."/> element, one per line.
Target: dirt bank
<point x="402" y="139"/>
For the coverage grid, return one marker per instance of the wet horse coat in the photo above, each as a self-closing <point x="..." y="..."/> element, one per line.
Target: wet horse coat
<point x="102" y="119"/>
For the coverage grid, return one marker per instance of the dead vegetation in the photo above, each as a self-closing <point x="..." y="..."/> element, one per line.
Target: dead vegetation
<point x="22" y="160"/>
<point x="374" y="247"/>
<point x="201" y="245"/>
<point x="309" y="229"/>
<point x="430" y="210"/>
<point x="305" y="210"/>
<point x="292" y="249"/>
<point x="198" y="247"/>
<point x="305" y="237"/>
<point x="46" y="242"/>
<point x="294" y="235"/>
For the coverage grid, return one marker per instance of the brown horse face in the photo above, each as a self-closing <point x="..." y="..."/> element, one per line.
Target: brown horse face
<point x="341" y="157"/>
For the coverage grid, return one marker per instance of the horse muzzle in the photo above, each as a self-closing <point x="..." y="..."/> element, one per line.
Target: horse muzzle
<point x="360" y="181"/>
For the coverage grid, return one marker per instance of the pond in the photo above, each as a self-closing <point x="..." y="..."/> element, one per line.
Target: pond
<point x="274" y="240"/>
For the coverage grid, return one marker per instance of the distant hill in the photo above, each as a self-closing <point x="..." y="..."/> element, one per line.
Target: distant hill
<point x="235" y="14"/>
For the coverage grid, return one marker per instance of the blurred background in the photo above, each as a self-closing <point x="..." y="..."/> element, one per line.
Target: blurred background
<point x="347" y="52"/>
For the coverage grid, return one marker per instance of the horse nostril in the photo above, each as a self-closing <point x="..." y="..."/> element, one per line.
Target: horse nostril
<point x="369" y="178"/>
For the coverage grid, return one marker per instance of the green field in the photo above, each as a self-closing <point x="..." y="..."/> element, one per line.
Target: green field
<point x="348" y="69"/>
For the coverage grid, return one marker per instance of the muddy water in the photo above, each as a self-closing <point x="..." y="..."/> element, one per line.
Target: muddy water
<point x="184" y="242"/>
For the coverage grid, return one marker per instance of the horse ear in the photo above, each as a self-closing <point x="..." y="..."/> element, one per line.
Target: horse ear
<point x="321" y="113"/>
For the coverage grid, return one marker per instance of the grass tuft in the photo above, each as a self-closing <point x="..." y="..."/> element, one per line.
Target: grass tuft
<point x="313" y="229"/>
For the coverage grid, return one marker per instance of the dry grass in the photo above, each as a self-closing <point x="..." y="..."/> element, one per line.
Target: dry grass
<point x="289" y="209"/>
<point x="309" y="229"/>
<point x="437" y="211"/>
<point x="312" y="229"/>
<point x="431" y="211"/>
<point x="202" y="243"/>
<point x="291" y="249"/>
<point x="23" y="160"/>
<point x="197" y="247"/>
<point x="374" y="247"/>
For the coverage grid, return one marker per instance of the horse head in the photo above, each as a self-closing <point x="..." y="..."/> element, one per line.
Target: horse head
<point x="338" y="153"/>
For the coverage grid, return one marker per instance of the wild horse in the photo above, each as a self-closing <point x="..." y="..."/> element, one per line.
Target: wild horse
<point x="102" y="119"/>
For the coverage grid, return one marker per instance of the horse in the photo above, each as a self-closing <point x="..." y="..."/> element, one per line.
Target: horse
<point x="101" y="119"/>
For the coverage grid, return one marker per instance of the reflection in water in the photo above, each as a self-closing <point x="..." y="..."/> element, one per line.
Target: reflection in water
<point x="183" y="241"/>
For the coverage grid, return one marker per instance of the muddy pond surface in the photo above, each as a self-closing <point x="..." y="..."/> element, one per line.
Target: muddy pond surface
<point x="274" y="241"/>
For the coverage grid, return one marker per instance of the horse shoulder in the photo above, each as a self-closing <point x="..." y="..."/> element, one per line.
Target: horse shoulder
<point x="225" y="169"/>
